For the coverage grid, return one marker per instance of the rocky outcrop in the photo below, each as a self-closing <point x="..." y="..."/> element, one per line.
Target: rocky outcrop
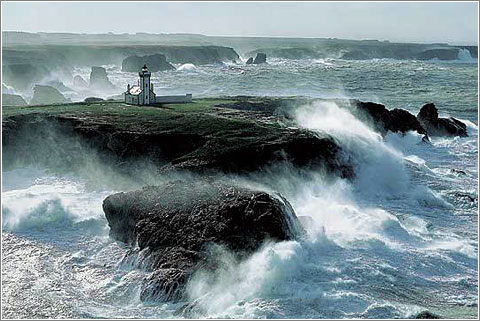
<point x="384" y="120"/>
<point x="13" y="100"/>
<point x="46" y="95"/>
<point x="202" y="142"/>
<point x="99" y="79"/>
<point x="260" y="58"/>
<point x="436" y="126"/>
<point x="177" y="223"/>
<point x="156" y="62"/>
<point x="79" y="82"/>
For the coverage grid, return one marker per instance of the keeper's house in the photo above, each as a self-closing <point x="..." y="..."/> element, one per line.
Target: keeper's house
<point x="143" y="94"/>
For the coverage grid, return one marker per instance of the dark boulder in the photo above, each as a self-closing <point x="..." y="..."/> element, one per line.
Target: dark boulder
<point x="250" y="61"/>
<point x="260" y="58"/>
<point x="384" y="120"/>
<point x="92" y="99"/>
<point x="99" y="79"/>
<point x="178" y="223"/>
<point x="427" y="315"/>
<point x="436" y="126"/>
<point x="156" y="62"/>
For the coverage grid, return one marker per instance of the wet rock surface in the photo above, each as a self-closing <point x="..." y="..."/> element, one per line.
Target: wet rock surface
<point x="177" y="223"/>
<point x="384" y="120"/>
<point x="436" y="126"/>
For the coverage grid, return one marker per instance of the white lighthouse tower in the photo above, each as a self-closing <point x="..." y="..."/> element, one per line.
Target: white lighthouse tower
<point x="145" y="85"/>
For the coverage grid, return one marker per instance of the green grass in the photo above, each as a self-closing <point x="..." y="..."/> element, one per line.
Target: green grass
<point x="198" y="117"/>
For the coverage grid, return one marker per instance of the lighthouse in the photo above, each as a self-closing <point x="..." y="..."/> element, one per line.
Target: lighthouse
<point x="143" y="94"/>
<point x="145" y="85"/>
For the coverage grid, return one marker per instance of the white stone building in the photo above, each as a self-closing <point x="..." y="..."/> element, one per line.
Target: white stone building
<point x="143" y="94"/>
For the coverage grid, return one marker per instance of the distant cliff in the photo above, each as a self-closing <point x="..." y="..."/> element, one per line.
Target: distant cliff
<point x="157" y="62"/>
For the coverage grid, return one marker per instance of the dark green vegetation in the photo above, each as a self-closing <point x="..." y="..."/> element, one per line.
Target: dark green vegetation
<point x="197" y="136"/>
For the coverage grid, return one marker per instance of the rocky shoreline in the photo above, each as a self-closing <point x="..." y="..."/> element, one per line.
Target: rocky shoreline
<point x="175" y="225"/>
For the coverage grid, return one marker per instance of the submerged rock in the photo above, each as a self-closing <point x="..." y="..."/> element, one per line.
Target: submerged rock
<point x="156" y="62"/>
<point x="436" y="126"/>
<point x="178" y="222"/>
<point x="260" y="58"/>
<point x="13" y="100"/>
<point x="99" y="79"/>
<point x="427" y="315"/>
<point x="45" y="95"/>
<point x="384" y="120"/>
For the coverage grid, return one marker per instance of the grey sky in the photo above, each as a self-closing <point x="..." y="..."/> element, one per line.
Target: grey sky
<point x="452" y="22"/>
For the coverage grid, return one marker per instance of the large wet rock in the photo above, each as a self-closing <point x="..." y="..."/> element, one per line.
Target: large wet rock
<point x="45" y="95"/>
<point x="436" y="126"/>
<point x="260" y="58"/>
<point x="175" y="226"/>
<point x="99" y="79"/>
<point x="384" y="120"/>
<point x="157" y="62"/>
<point x="13" y="100"/>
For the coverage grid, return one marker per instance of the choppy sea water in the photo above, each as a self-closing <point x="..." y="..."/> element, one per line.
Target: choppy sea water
<point x="400" y="239"/>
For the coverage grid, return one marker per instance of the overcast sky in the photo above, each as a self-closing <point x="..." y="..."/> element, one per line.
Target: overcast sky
<point x="452" y="22"/>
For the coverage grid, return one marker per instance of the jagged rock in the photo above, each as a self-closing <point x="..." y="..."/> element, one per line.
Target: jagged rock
<point x="79" y="82"/>
<point x="13" y="100"/>
<point x="250" y="61"/>
<point x="99" y="79"/>
<point x="384" y="120"/>
<point x="45" y="95"/>
<point x="92" y="99"/>
<point x="180" y="221"/>
<point x="436" y="126"/>
<point x="260" y="58"/>
<point x="157" y="62"/>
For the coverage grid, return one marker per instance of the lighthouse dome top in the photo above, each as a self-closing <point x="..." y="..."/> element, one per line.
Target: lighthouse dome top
<point x="144" y="68"/>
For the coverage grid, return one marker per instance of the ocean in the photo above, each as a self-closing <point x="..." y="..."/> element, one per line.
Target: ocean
<point x="399" y="239"/>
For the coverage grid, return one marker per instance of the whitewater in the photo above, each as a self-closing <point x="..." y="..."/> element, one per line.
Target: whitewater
<point x="399" y="239"/>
